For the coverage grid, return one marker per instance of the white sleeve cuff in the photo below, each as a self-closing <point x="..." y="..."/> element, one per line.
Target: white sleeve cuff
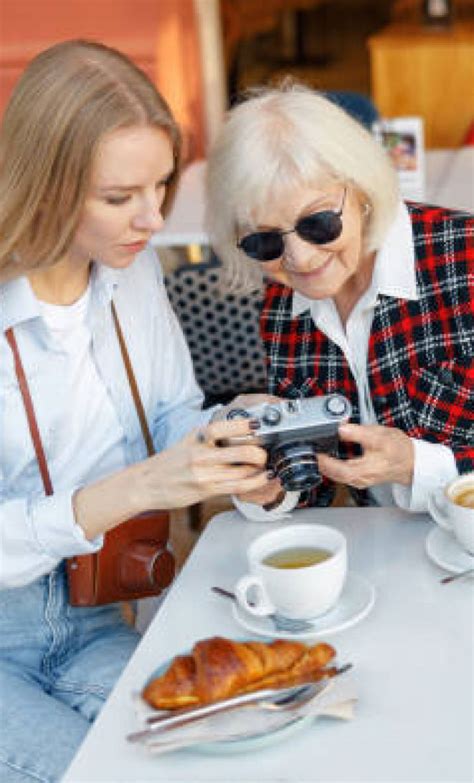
<point x="434" y="467"/>
<point x="55" y="528"/>
<point x="255" y="513"/>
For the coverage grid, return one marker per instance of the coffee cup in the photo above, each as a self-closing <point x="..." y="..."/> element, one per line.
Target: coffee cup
<point x="452" y="508"/>
<point x="297" y="571"/>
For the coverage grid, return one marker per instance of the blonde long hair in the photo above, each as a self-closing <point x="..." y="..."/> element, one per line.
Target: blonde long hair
<point x="284" y="137"/>
<point x="67" y="99"/>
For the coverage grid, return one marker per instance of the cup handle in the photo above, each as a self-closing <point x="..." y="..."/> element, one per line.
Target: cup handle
<point x="435" y="505"/>
<point x="261" y="606"/>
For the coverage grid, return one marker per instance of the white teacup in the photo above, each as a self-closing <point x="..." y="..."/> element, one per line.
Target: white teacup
<point x="453" y="509"/>
<point x="285" y="576"/>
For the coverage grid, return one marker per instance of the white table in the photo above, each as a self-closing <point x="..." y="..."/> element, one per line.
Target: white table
<point x="412" y="656"/>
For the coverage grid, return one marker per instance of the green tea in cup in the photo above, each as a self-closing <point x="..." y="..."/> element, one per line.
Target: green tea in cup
<point x="296" y="557"/>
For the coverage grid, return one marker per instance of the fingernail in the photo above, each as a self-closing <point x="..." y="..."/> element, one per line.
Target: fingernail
<point x="255" y="424"/>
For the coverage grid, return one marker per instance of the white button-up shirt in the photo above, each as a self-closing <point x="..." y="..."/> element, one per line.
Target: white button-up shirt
<point x="36" y="532"/>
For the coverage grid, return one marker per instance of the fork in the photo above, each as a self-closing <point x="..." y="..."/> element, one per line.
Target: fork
<point x="280" y="621"/>
<point x="286" y="699"/>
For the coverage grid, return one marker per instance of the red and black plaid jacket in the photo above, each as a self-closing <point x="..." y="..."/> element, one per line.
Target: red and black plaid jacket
<point x="421" y="353"/>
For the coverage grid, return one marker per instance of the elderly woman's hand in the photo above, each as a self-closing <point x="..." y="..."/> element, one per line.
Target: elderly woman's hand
<point x="387" y="456"/>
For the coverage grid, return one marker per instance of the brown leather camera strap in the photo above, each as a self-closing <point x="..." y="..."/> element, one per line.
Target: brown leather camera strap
<point x="30" y="411"/>
<point x="133" y="384"/>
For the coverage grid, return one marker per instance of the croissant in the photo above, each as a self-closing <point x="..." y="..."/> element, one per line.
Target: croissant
<point x="219" y="668"/>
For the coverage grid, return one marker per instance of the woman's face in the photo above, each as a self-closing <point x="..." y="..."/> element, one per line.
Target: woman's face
<point x="316" y="271"/>
<point x="123" y="204"/>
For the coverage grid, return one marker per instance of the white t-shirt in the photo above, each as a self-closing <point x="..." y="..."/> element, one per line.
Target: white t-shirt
<point x="90" y="433"/>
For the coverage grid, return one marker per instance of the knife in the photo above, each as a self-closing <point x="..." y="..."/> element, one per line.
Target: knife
<point x="194" y="714"/>
<point x="190" y="715"/>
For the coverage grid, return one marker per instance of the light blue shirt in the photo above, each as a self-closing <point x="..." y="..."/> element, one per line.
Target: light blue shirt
<point x="36" y="532"/>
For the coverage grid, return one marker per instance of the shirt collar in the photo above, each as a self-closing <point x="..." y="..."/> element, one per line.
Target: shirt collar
<point x="394" y="269"/>
<point x="18" y="302"/>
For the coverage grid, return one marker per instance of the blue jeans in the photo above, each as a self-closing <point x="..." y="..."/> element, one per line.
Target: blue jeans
<point x="58" y="664"/>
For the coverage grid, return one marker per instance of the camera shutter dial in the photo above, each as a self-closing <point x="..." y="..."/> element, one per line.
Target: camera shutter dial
<point x="271" y="415"/>
<point x="336" y="405"/>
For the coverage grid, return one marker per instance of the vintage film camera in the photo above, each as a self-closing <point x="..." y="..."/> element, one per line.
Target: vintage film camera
<point x="293" y="432"/>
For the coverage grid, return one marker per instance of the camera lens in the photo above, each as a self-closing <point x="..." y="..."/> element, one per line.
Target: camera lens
<point x="296" y="465"/>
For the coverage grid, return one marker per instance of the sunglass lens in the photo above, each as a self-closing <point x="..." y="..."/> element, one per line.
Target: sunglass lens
<point x="320" y="228"/>
<point x="263" y="245"/>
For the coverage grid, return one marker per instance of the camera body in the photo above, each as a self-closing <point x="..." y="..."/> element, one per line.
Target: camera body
<point x="293" y="432"/>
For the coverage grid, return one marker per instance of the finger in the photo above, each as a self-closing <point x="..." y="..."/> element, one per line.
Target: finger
<point x="343" y="471"/>
<point x="268" y="494"/>
<point x="351" y="432"/>
<point x="234" y="455"/>
<point x="233" y="428"/>
<point x="360" y="472"/>
<point x="244" y="486"/>
<point x="364" y="434"/>
<point x="209" y="474"/>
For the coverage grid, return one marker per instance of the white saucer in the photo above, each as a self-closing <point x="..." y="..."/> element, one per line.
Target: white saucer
<point x="443" y="549"/>
<point x="356" y="601"/>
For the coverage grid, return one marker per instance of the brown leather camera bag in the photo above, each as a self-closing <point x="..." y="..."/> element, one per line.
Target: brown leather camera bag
<point x="134" y="561"/>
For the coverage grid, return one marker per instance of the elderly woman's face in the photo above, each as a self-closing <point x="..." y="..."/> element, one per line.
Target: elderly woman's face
<point x="316" y="270"/>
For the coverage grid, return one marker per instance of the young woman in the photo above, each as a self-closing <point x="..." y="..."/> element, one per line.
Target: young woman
<point x="89" y="160"/>
<point x="366" y="295"/>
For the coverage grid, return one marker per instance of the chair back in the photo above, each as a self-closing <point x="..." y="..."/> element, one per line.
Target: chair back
<point x="359" y="106"/>
<point x="222" y="331"/>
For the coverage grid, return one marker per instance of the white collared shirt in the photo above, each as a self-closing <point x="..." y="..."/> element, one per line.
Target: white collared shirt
<point x="36" y="532"/>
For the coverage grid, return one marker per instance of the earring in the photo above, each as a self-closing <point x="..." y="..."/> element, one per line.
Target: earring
<point x="367" y="209"/>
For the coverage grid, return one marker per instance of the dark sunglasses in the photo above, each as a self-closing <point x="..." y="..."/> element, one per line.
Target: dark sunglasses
<point x="319" y="228"/>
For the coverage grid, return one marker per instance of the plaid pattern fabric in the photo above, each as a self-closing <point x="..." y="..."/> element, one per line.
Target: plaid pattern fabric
<point x="421" y="353"/>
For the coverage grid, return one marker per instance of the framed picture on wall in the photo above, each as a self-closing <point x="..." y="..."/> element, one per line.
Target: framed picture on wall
<point x="403" y="139"/>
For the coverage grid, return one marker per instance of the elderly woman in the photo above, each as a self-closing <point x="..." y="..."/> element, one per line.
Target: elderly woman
<point x="366" y="295"/>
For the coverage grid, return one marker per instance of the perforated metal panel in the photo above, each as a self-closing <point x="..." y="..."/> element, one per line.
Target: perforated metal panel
<point x="221" y="329"/>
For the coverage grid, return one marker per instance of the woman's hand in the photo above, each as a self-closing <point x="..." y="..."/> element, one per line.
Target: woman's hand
<point x="268" y="496"/>
<point x="387" y="456"/>
<point x="191" y="471"/>
<point x="272" y="490"/>
<point x="199" y="467"/>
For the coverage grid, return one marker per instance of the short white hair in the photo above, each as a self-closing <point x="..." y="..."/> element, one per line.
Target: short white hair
<point x="284" y="137"/>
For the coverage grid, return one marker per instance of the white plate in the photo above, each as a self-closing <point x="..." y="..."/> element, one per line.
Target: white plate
<point x="255" y="739"/>
<point x="239" y="732"/>
<point x="443" y="549"/>
<point x="356" y="601"/>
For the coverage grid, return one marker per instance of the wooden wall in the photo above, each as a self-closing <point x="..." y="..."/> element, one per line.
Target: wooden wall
<point x="159" y="35"/>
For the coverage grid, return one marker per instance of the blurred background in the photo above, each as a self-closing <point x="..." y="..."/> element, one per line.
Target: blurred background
<point x="380" y="58"/>
<point x="412" y="57"/>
